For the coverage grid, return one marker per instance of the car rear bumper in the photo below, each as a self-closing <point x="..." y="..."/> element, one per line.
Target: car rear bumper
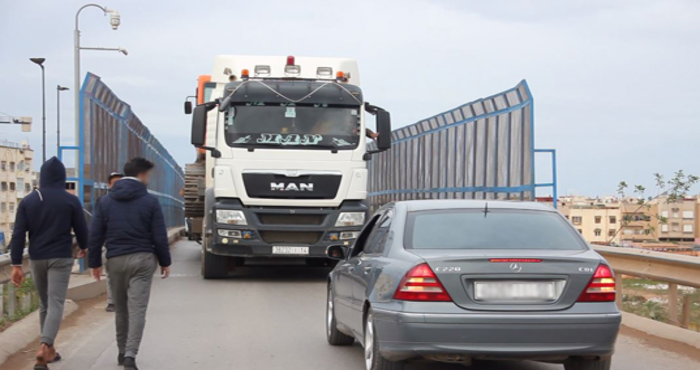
<point x="517" y="336"/>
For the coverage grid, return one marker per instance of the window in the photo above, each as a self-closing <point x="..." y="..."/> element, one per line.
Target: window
<point x="12" y="166"/>
<point x="687" y="228"/>
<point x="675" y="227"/>
<point x="688" y="215"/>
<point x="377" y="238"/>
<point x="498" y="229"/>
<point x="3" y="186"/>
<point x="675" y="212"/>
<point x="664" y="214"/>
<point x="613" y="219"/>
<point x="13" y="187"/>
<point x="3" y="165"/>
<point x="20" y="165"/>
<point x="597" y="232"/>
<point x="576" y="220"/>
<point x="598" y="219"/>
<point x="12" y="207"/>
<point x="664" y="228"/>
<point x="27" y="188"/>
<point x="3" y="207"/>
<point x="612" y="232"/>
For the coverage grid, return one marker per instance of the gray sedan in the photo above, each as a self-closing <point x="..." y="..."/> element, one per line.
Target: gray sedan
<point x="463" y="281"/>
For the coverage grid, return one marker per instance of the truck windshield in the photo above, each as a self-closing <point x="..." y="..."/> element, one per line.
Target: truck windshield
<point x="293" y="126"/>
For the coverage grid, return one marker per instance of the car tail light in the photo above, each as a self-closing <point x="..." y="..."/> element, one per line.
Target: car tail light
<point x="602" y="286"/>
<point x="421" y="284"/>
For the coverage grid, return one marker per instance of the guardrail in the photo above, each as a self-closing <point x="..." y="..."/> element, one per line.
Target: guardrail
<point x="669" y="268"/>
<point x="8" y="292"/>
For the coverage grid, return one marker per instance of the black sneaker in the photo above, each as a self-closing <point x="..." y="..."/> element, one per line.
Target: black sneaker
<point x="120" y="359"/>
<point x="130" y="363"/>
<point x="110" y="308"/>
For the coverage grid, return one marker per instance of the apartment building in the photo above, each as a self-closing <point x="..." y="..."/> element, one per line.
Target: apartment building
<point x="680" y="220"/>
<point x="17" y="179"/>
<point x="598" y="220"/>
<point x="641" y="223"/>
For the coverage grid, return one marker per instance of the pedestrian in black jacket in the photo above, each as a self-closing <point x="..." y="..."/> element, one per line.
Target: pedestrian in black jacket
<point x="130" y="223"/>
<point x="48" y="214"/>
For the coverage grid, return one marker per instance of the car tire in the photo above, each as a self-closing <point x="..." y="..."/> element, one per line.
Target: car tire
<point x="335" y="337"/>
<point x="213" y="266"/>
<point x="374" y="359"/>
<point x="586" y="364"/>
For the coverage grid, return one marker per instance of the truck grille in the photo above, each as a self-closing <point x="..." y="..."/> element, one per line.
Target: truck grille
<point x="290" y="237"/>
<point x="287" y="219"/>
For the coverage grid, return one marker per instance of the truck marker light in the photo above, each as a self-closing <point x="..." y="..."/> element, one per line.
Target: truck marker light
<point x="292" y="70"/>
<point x="262" y="71"/>
<point x="324" y="72"/>
<point x="290" y="60"/>
<point x="334" y="236"/>
<point x="247" y="234"/>
<point x="245" y="74"/>
<point x="340" y="76"/>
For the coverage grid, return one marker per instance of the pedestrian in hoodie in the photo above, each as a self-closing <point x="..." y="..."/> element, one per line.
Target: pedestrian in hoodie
<point x="130" y="223"/>
<point x="48" y="214"/>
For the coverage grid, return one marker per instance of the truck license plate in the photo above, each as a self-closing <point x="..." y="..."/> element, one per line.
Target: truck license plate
<point x="290" y="250"/>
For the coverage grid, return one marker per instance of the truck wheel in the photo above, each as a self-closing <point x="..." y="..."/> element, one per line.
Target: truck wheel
<point x="585" y="364"/>
<point x="213" y="266"/>
<point x="374" y="359"/>
<point x="335" y="337"/>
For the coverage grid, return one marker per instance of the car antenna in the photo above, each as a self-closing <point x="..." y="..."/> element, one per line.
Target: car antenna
<point x="486" y="209"/>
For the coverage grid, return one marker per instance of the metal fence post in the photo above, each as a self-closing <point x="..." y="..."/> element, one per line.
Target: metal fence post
<point x="673" y="304"/>
<point x="618" y="291"/>
<point x="2" y="301"/>
<point x="685" y="311"/>
<point x="11" y="300"/>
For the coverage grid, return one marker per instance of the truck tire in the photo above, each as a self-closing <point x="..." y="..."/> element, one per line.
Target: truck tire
<point x="213" y="266"/>
<point x="373" y="358"/>
<point x="335" y="337"/>
<point x="586" y="364"/>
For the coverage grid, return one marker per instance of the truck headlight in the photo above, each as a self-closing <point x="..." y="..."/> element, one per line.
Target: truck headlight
<point x="350" y="219"/>
<point x="225" y="216"/>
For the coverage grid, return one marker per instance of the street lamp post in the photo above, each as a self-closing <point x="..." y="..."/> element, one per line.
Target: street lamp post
<point x="40" y="63"/>
<point x="114" y="21"/>
<point x="59" y="88"/>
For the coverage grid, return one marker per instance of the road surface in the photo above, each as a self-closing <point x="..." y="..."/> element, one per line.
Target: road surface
<point x="268" y="317"/>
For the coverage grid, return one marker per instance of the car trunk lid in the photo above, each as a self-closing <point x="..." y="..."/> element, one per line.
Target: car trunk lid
<point x="512" y="280"/>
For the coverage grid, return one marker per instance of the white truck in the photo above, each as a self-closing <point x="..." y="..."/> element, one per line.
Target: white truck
<point x="285" y="167"/>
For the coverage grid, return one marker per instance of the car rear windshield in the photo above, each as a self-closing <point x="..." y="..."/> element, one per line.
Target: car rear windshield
<point x="490" y="229"/>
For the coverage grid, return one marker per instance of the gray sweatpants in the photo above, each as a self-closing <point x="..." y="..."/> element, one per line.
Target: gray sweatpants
<point x="51" y="277"/>
<point x="130" y="279"/>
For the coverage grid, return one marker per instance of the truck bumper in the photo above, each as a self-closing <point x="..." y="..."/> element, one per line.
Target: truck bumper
<point x="268" y="227"/>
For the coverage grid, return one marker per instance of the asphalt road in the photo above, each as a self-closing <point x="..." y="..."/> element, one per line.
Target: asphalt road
<point x="267" y="317"/>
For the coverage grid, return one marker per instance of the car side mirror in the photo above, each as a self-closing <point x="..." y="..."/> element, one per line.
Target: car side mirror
<point x="199" y="125"/>
<point x="188" y="107"/>
<point x="337" y="252"/>
<point x="384" y="130"/>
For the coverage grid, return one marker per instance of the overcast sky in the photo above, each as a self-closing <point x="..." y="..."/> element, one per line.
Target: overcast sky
<point x="615" y="82"/>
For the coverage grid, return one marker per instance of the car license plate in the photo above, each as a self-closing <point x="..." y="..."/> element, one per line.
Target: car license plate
<point x="290" y="250"/>
<point x="515" y="291"/>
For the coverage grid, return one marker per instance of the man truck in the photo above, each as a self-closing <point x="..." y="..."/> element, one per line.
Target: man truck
<point x="283" y="172"/>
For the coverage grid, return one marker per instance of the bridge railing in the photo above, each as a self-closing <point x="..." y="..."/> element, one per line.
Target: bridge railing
<point x="14" y="302"/>
<point x="672" y="269"/>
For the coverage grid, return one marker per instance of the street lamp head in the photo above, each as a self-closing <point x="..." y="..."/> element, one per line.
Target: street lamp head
<point x="114" y="19"/>
<point x="38" y="61"/>
<point x="123" y="51"/>
<point x="61" y="88"/>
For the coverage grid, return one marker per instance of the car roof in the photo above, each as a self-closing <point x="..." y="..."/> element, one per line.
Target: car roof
<point x="437" y="204"/>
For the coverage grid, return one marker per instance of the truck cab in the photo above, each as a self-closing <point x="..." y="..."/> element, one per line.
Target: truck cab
<point x="286" y="158"/>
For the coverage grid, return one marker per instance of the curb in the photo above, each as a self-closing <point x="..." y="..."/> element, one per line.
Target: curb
<point x="661" y="330"/>
<point x="24" y="331"/>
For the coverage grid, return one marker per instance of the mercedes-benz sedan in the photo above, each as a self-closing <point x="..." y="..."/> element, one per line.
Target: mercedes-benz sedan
<point x="461" y="281"/>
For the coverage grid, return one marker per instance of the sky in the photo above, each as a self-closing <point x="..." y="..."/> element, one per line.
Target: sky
<point x="615" y="83"/>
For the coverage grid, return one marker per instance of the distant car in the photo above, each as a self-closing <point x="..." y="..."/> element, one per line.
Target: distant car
<point x="460" y="281"/>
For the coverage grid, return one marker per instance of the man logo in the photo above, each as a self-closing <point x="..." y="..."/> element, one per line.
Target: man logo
<point x="280" y="186"/>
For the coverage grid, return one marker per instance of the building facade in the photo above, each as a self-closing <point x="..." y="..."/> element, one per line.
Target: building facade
<point x="679" y="217"/>
<point x="598" y="220"/>
<point x="17" y="179"/>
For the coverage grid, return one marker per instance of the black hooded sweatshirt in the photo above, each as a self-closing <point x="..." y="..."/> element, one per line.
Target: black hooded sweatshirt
<point x="48" y="214"/>
<point x="128" y="220"/>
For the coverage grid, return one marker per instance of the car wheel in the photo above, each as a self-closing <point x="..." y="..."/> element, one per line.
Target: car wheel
<point x="335" y="337"/>
<point x="213" y="266"/>
<point x="585" y="364"/>
<point x="373" y="359"/>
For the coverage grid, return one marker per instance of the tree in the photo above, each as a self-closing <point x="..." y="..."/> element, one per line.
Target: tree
<point x="674" y="190"/>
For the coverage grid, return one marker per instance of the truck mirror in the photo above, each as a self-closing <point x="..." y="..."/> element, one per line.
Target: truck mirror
<point x="199" y="125"/>
<point x="337" y="252"/>
<point x="188" y="107"/>
<point x="384" y="130"/>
